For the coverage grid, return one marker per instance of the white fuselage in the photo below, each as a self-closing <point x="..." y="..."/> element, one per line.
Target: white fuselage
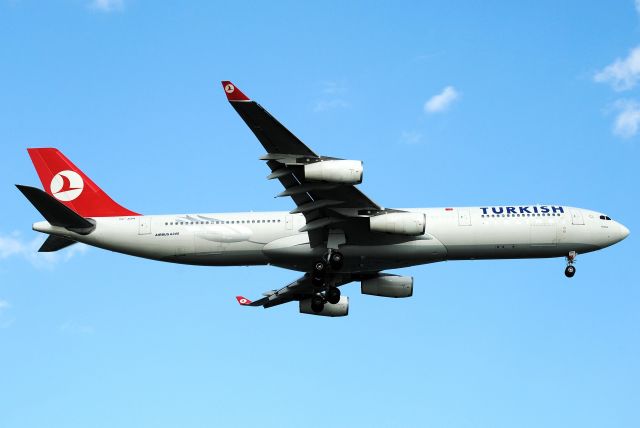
<point x="259" y="238"/>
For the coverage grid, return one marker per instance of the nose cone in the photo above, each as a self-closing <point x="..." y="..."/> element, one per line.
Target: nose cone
<point x="624" y="232"/>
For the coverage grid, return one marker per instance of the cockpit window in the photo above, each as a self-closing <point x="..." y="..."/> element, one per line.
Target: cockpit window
<point x="605" y="217"/>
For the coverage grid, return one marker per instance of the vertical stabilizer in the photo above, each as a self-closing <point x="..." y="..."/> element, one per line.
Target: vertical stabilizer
<point x="69" y="185"/>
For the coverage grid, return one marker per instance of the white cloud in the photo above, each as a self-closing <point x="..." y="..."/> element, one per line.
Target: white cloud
<point x="623" y="74"/>
<point x="14" y="245"/>
<point x="411" y="137"/>
<point x="324" y="105"/>
<point x="333" y="87"/>
<point x="332" y="96"/>
<point x="71" y="327"/>
<point x="107" y="5"/>
<point x="4" y="321"/>
<point x="442" y="101"/>
<point x="627" y="121"/>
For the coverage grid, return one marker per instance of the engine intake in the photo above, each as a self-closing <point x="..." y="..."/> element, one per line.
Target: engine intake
<point x="335" y="171"/>
<point x="339" y="309"/>
<point x="399" y="223"/>
<point x="387" y="285"/>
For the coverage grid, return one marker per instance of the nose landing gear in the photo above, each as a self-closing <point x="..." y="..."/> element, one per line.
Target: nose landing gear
<point x="570" y="270"/>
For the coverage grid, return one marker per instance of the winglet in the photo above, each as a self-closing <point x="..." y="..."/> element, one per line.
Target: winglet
<point x="243" y="301"/>
<point x="233" y="93"/>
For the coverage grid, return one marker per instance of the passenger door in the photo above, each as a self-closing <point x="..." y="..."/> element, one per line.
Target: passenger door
<point x="576" y="217"/>
<point x="464" y="217"/>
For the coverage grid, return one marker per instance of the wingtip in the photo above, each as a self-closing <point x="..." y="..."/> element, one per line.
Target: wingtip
<point x="243" y="300"/>
<point x="232" y="91"/>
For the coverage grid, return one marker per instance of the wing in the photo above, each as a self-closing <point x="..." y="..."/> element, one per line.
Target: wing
<point x="300" y="289"/>
<point x="324" y="205"/>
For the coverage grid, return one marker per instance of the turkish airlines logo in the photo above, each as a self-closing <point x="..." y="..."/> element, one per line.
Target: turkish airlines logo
<point x="66" y="185"/>
<point x="229" y="88"/>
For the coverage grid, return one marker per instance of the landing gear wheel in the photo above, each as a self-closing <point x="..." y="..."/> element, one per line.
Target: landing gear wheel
<point x="336" y="260"/>
<point x="317" y="304"/>
<point x="319" y="269"/>
<point x="570" y="271"/>
<point x="333" y="295"/>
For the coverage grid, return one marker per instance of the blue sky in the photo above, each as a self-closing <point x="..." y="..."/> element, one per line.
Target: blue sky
<point x="448" y="104"/>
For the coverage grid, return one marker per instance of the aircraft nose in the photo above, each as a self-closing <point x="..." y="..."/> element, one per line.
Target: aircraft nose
<point x="624" y="232"/>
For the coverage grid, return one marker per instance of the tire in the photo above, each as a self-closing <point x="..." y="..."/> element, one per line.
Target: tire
<point x="333" y="295"/>
<point x="336" y="260"/>
<point x="570" y="271"/>
<point x="317" y="304"/>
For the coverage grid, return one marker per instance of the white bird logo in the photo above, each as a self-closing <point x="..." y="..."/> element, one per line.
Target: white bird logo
<point x="66" y="185"/>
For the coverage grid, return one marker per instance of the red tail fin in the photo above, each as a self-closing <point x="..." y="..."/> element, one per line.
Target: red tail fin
<point x="68" y="184"/>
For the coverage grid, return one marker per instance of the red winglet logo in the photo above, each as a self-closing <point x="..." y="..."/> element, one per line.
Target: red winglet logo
<point x="243" y="300"/>
<point x="233" y="93"/>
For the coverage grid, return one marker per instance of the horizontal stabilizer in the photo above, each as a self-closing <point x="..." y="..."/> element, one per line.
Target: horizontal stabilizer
<point x="55" y="243"/>
<point x="55" y="212"/>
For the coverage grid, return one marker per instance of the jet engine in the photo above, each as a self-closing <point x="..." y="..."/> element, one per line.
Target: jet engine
<point x="403" y="223"/>
<point x="335" y="171"/>
<point x="387" y="285"/>
<point x="339" y="309"/>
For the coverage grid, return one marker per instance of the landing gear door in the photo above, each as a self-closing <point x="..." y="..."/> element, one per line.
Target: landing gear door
<point x="576" y="217"/>
<point x="144" y="225"/>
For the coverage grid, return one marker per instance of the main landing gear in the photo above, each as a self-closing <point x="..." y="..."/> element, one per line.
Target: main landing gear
<point x="570" y="270"/>
<point x="325" y="292"/>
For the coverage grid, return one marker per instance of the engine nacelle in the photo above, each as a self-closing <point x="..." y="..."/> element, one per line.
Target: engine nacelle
<point x="340" y="309"/>
<point x="398" y="223"/>
<point x="386" y="285"/>
<point x="335" y="171"/>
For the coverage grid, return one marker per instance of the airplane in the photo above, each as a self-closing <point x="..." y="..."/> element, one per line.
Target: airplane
<point x="335" y="235"/>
